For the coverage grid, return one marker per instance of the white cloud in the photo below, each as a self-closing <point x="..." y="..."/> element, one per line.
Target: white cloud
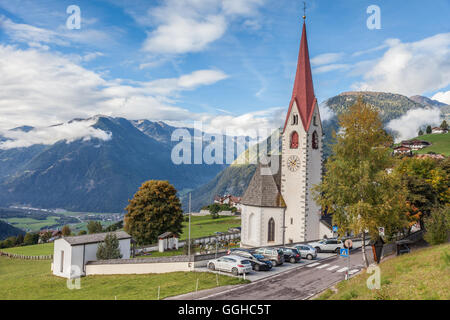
<point x="325" y="112"/>
<point x="69" y="132"/>
<point x="42" y="38"/>
<point x="331" y="67"/>
<point x="182" y="35"/>
<point x="411" y="68"/>
<point x="182" y="26"/>
<point x="40" y="88"/>
<point x="443" y="97"/>
<point x="249" y="124"/>
<point x="241" y="7"/>
<point x="326" y="58"/>
<point x="407" y="126"/>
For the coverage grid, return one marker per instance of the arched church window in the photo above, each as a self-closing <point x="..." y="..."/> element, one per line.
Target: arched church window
<point x="294" y="140"/>
<point x="271" y="231"/>
<point x="294" y="119"/>
<point x="315" y="141"/>
<point x="315" y="121"/>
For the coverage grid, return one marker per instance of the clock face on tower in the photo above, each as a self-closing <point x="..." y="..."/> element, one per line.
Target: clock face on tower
<point x="293" y="163"/>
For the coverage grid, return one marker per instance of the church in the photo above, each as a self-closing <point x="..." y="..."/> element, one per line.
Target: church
<point x="279" y="209"/>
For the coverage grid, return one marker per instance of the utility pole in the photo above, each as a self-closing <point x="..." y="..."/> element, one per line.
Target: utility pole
<point x="189" y="227"/>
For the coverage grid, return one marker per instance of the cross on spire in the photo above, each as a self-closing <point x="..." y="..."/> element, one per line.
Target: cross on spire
<point x="304" y="10"/>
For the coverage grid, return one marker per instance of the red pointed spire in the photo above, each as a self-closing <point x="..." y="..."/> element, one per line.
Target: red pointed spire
<point x="303" y="93"/>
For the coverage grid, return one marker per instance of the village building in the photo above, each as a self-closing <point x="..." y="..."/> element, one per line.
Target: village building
<point x="438" y="130"/>
<point x="415" y="144"/>
<point x="402" y="150"/>
<point x="280" y="208"/>
<point x="234" y="202"/>
<point x="71" y="254"/>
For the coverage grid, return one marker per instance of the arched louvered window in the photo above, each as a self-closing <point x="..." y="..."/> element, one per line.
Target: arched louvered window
<point x="294" y="140"/>
<point x="294" y="119"/>
<point x="271" y="230"/>
<point x="315" y="141"/>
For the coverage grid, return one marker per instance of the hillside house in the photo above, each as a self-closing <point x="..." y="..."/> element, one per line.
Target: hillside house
<point x="415" y="144"/>
<point x="402" y="151"/>
<point x="229" y="200"/>
<point x="438" y="130"/>
<point x="71" y="254"/>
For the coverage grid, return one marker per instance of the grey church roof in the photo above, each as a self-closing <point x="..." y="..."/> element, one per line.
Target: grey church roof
<point x="95" y="238"/>
<point x="265" y="190"/>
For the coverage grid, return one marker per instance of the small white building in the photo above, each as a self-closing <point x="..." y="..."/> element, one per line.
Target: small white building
<point x="71" y="254"/>
<point x="167" y="241"/>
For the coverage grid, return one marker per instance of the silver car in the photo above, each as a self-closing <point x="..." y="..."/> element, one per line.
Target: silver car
<point x="306" y="251"/>
<point x="330" y="245"/>
<point x="234" y="264"/>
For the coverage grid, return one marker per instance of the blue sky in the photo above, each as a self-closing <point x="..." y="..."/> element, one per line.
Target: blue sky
<point x="225" y="62"/>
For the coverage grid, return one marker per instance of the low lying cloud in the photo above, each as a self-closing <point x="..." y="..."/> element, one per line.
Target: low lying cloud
<point x="408" y="125"/>
<point x="443" y="97"/>
<point x="325" y="112"/>
<point x="68" y="132"/>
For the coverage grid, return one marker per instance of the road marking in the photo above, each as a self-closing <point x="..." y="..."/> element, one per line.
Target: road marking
<point x="343" y="269"/>
<point x="322" y="266"/>
<point x="354" y="271"/>
<point x="332" y="268"/>
<point x="313" y="265"/>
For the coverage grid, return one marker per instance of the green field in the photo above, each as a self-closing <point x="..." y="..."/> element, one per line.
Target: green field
<point x="32" y="279"/>
<point x="441" y="143"/>
<point x="36" y="250"/>
<point x="206" y="226"/>
<point x="200" y="227"/>
<point x="32" y="224"/>
<point x="421" y="275"/>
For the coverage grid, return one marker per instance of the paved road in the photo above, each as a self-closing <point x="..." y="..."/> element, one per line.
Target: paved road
<point x="296" y="284"/>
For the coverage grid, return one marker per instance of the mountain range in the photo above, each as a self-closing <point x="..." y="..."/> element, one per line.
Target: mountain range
<point x="100" y="175"/>
<point x="94" y="175"/>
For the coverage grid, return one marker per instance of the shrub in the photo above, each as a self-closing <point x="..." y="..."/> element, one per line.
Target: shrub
<point x="437" y="226"/>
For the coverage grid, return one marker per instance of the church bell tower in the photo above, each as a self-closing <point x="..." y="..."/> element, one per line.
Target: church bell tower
<point x="301" y="165"/>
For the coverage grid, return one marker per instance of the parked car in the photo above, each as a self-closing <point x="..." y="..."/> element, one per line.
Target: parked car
<point x="235" y="264"/>
<point x="291" y="254"/>
<point x="259" y="262"/>
<point x="328" y="245"/>
<point x="306" y="251"/>
<point x="275" y="255"/>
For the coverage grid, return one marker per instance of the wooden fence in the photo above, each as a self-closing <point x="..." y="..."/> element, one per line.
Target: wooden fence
<point x="23" y="257"/>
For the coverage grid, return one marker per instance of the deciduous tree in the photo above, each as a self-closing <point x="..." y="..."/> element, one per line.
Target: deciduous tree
<point x="66" y="231"/>
<point x="94" y="227"/>
<point x="357" y="188"/>
<point x="154" y="209"/>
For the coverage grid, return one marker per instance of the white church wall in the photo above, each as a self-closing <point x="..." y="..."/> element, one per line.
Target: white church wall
<point x="251" y="225"/>
<point x="255" y="226"/>
<point x="314" y="175"/>
<point x="277" y="215"/>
